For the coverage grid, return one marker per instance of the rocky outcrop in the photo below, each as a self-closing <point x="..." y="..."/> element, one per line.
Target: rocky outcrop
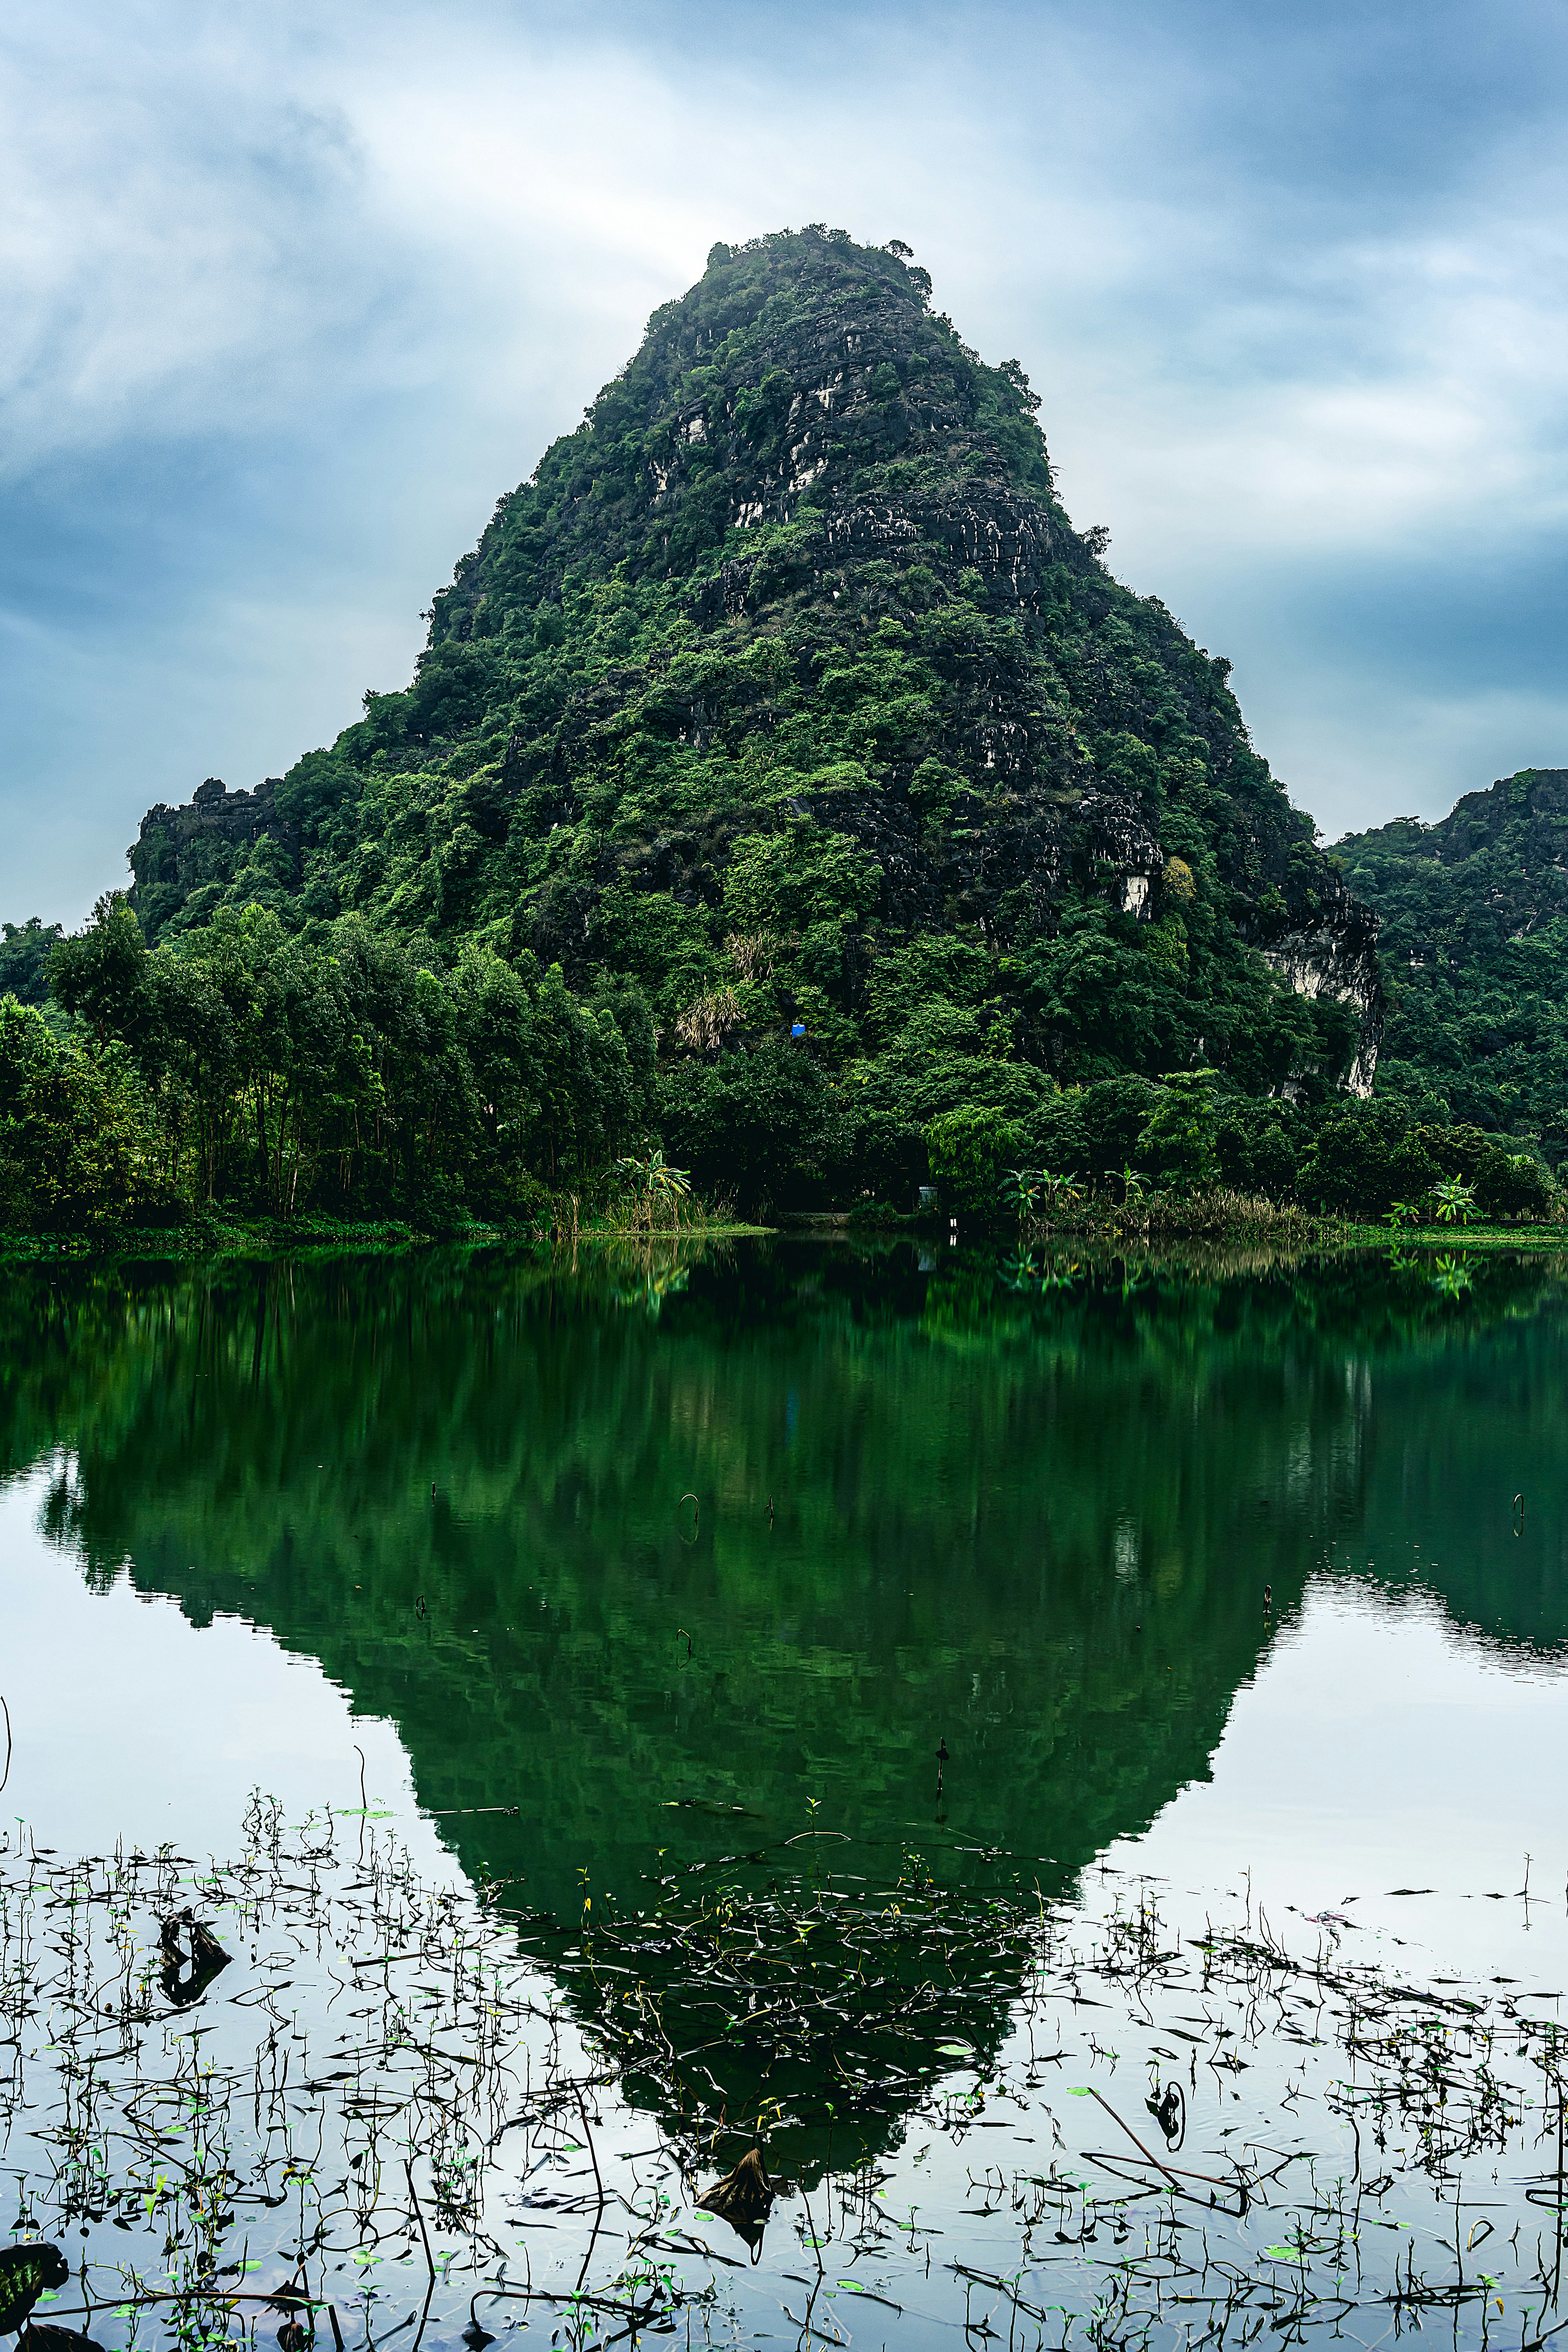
<point x="804" y="570"/>
<point x="182" y="853"/>
<point x="214" y="811"/>
<point x="1332" y="956"/>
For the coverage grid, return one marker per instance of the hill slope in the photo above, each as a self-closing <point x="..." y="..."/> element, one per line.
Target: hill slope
<point x="786" y="691"/>
<point x="1475" y="953"/>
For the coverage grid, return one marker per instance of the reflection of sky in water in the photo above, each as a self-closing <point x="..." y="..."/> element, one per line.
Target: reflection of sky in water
<point x="1044" y="1528"/>
<point x="130" y="1722"/>
<point x="1377" y="1748"/>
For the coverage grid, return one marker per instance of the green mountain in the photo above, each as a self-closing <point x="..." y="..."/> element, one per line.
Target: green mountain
<point x="785" y="691"/>
<point x="1474" y="951"/>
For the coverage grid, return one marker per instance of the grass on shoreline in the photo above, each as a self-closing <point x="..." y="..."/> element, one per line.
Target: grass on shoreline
<point x="266" y="1237"/>
<point x="1219" y="1217"/>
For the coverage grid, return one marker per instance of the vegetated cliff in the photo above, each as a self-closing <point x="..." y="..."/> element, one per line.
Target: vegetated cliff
<point x="786" y="689"/>
<point x="24" y="950"/>
<point x="1475" y="953"/>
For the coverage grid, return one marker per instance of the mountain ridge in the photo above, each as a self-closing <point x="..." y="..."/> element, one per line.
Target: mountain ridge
<point x="1474" y="908"/>
<point x="791" y="643"/>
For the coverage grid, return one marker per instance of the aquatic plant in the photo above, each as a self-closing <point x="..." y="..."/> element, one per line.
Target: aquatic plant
<point x="401" y="2108"/>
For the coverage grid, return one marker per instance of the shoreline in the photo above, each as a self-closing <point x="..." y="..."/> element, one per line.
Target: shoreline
<point x="273" y="1237"/>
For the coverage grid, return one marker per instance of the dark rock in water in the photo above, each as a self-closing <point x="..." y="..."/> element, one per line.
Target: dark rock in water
<point x="744" y="2199"/>
<point x="193" y="1956"/>
<point x="26" y="2273"/>
<point x="45" y="2338"/>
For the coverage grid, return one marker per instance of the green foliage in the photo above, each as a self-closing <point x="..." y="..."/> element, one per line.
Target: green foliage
<point x="783" y="693"/>
<point x="761" y="1126"/>
<point x="24" y="950"/>
<point x="1372" y="1159"/>
<point x="283" y="1072"/>
<point x="1453" y="1202"/>
<point x="969" y="1151"/>
<point x="1511" y="1184"/>
<point x="1364" y="1157"/>
<point x="1259" y="1146"/>
<point x="787" y="882"/>
<point x="1474" y="948"/>
<point x="652" y="1182"/>
<point x="1179" y="1139"/>
<point x="78" y="1148"/>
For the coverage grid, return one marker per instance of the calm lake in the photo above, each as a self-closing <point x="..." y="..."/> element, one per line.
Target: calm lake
<point x="1240" y="1585"/>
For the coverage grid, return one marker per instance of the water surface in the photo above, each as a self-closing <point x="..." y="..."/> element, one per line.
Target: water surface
<point x="612" y="1570"/>
<point x="922" y="1504"/>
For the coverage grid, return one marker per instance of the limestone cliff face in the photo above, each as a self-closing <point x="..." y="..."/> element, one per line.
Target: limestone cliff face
<point x="198" y="846"/>
<point x="1474" y="950"/>
<point x="799" y="599"/>
<point x="1333" y="957"/>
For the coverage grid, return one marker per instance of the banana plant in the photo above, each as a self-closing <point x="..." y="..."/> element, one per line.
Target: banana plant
<point x="652" y="1180"/>
<point x="1020" y="1190"/>
<point x="1454" y="1201"/>
<point x="1060" y="1192"/>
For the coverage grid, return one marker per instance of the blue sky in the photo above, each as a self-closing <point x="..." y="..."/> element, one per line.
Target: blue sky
<point x="293" y="294"/>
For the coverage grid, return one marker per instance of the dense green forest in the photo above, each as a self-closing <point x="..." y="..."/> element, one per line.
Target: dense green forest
<point x="785" y="781"/>
<point x="25" y="950"/>
<point x="1474" y="950"/>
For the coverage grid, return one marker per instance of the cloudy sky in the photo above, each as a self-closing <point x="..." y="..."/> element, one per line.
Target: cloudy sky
<point x="292" y="294"/>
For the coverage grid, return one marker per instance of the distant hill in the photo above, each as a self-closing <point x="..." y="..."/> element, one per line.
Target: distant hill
<point x="24" y="959"/>
<point x="1474" y="949"/>
<point x="786" y="690"/>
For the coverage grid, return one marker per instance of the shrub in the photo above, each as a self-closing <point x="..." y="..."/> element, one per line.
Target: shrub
<point x="1364" y="1156"/>
<point x="970" y="1150"/>
<point x="1511" y="1184"/>
<point x="762" y="1125"/>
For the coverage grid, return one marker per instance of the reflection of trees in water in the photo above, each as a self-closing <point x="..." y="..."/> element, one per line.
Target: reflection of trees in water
<point x="1037" y="1524"/>
<point x="811" y="2019"/>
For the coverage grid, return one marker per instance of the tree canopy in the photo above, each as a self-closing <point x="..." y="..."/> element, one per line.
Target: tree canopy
<point x="783" y="773"/>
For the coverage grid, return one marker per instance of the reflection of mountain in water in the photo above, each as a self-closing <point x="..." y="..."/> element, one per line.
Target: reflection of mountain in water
<point x="1036" y="1525"/>
<point x="1445" y="1458"/>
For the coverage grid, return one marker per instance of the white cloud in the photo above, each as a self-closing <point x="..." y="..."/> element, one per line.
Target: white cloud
<point x="423" y="237"/>
<point x="216" y="229"/>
